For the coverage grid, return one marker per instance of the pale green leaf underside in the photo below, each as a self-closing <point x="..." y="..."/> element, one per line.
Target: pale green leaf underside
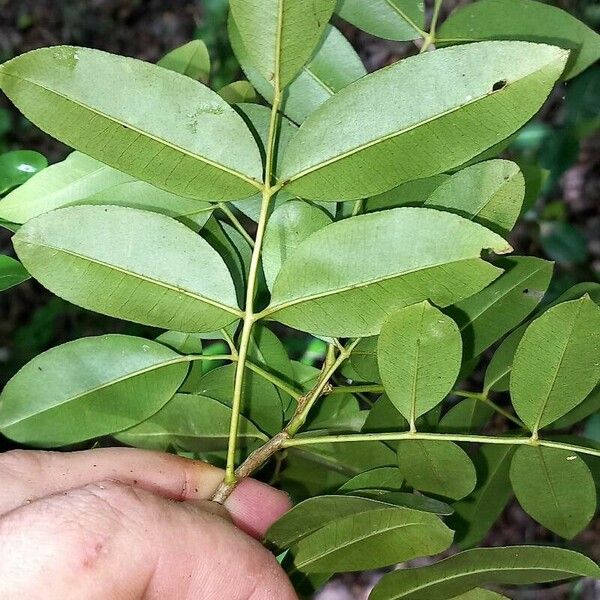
<point x="343" y="281"/>
<point x="557" y="362"/>
<point x="418" y="131"/>
<point x="371" y="539"/>
<point x="419" y="357"/>
<point x="555" y="487"/>
<point x="490" y="193"/>
<point x="280" y="36"/>
<point x="400" y="20"/>
<point x="524" y="20"/>
<point x="334" y="65"/>
<point x="154" y="124"/>
<point x="472" y="568"/>
<point x="192" y="423"/>
<point x="129" y="264"/>
<point x="88" y="388"/>
<point x="442" y="468"/>
<point x="289" y="225"/>
<point x="486" y="316"/>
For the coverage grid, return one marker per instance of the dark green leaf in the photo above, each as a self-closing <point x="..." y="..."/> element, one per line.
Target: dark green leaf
<point x="237" y="92"/>
<point x="472" y="568"/>
<point x="191" y="59"/>
<point x="364" y="359"/>
<point x="411" y="193"/>
<point x="563" y="242"/>
<point x="470" y="414"/>
<point x="382" y="478"/>
<point x="18" y="166"/>
<point x="12" y="272"/>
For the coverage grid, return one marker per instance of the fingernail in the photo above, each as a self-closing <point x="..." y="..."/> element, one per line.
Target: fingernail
<point x="255" y="506"/>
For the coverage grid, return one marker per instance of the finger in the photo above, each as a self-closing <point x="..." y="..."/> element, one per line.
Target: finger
<point x="26" y="476"/>
<point x="109" y="540"/>
<point x="255" y="506"/>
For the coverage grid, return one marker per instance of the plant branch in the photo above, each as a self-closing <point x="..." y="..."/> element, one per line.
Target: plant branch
<point x="445" y="437"/>
<point x="257" y="458"/>
<point x="276" y="381"/>
<point x="482" y="397"/>
<point x="355" y="389"/>
<point x="236" y="223"/>
<point x="430" y="37"/>
<point x="249" y="316"/>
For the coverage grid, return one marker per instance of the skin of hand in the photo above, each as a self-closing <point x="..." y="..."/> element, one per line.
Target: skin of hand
<point x="125" y="524"/>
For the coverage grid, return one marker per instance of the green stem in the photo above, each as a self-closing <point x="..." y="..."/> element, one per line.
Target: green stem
<point x="444" y="437"/>
<point x="305" y="404"/>
<point x="483" y="398"/>
<point x="430" y="37"/>
<point x="355" y="389"/>
<point x="249" y="316"/>
<point x="276" y="381"/>
<point x="236" y="223"/>
<point x="358" y="207"/>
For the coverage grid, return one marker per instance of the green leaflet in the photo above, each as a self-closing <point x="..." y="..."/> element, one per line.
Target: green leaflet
<point x="523" y="20"/>
<point x="154" y="124"/>
<point x="490" y="193"/>
<point x="417" y="502"/>
<point x="589" y="406"/>
<point x="266" y="413"/>
<point x="419" y="356"/>
<point x="480" y="594"/>
<point x="334" y="65"/>
<point x="363" y="155"/>
<point x="88" y="388"/>
<point x="555" y="487"/>
<point x="488" y="315"/>
<point x="497" y="374"/>
<point x="411" y="193"/>
<point x="557" y="362"/>
<point x="280" y="36"/>
<point x="400" y="20"/>
<point x="289" y="225"/>
<point x="364" y="359"/>
<point x="68" y="182"/>
<point x="18" y="166"/>
<point x="476" y="514"/>
<point x="12" y="272"/>
<point x="238" y="92"/>
<point x="470" y="414"/>
<point x="382" y="478"/>
<point x="192" y="423"/>
<point x="442" y="468"/>
<point x="313" y="514"/>
<point x="342" y="281"/>
<point x="472" y="568"/>
<point x="191" y="59"/>
<point x="129" y="264"/>
<point x="371" y="539"/>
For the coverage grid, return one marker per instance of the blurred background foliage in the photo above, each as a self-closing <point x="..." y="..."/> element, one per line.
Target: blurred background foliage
<point x="562" y="222"/>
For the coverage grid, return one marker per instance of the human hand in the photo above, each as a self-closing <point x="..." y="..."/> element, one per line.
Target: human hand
<point x="119" y="523"/>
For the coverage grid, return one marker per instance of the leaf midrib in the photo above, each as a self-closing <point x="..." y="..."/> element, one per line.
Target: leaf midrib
<point x="278" y="307"/>
<point x="389" y="136"/>
<point x="361" y="538"/>
<point x="140" y="132"/>
<point x="106" y="384"/>
<point x="134" y="275"/>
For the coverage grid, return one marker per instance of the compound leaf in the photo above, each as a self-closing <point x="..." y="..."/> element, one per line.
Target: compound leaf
<point x="12" y="272"/>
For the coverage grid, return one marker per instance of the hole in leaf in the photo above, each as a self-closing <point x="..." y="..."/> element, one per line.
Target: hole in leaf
<point x="499" y="85"/>
<point x="526" y="291"/>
